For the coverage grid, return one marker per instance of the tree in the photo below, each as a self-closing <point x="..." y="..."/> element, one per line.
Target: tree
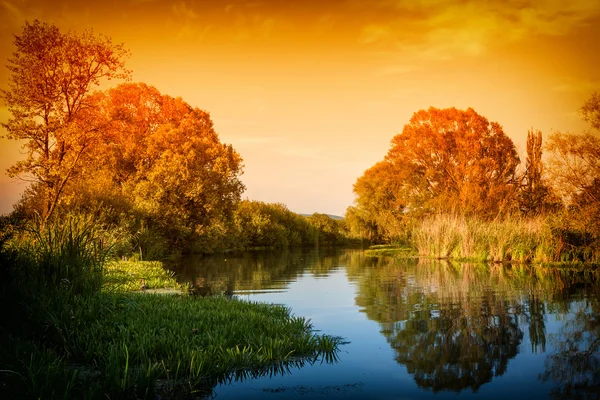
<point x="331" y="232"/>
<point x="575" y="161"/>
<point x="52" y="76"/>
<point x="166" y="159"/>
<point x="445" y="160"/>
<point x="534" y="196"/>
<point x="379" y="203"/>
<point x="575" y="166"/>
<point x="591" y="111"/>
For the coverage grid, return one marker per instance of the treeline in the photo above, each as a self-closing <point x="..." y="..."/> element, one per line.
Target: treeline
<point x="147" y="166"/>
<point x="453" y="185"/>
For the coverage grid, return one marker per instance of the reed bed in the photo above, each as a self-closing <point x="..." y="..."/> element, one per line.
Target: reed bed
<point x="464" y="238"/>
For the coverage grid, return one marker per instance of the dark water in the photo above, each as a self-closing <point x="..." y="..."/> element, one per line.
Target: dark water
<point x="419" y="328"/>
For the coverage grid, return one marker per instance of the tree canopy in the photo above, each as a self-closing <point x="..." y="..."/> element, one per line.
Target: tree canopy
<point x="52" y="77"/>
<point x="164" y="158"/>
<point x="574" y="163"/>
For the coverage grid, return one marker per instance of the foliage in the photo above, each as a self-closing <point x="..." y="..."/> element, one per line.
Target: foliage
<point x="449" y="159"/>
<point x="591" y="111"/>
<point x="52" y="76"/>
<point x="379" y="211"/>
<point x="331" y="232"/>
<point x="68" y="254"/>
<point x="161" y="159"/>
<point x="575" y="166"/>
<point x="260" y="224"/>
<point x="535" y="196"/>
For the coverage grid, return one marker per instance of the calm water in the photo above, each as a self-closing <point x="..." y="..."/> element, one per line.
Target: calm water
<point x="420" y="329"/>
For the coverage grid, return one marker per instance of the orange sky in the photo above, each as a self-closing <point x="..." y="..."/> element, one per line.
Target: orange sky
<point x="310" y="93"/>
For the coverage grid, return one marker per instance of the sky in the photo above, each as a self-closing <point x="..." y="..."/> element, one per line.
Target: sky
<point x="310" y="93"/>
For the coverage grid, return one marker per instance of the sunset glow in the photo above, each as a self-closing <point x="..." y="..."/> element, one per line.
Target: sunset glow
<point x="311" y="93"/>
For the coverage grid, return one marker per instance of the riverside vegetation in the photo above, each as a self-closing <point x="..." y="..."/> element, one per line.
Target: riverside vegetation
<point x="78" y="327"/>
<point x="452" y="186"/>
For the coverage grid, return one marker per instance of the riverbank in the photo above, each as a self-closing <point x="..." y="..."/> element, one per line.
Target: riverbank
<point x="77" y="327"/>
<point x="545" y="240"/>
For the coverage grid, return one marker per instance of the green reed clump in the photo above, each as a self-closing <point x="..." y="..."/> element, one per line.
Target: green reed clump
<point x="66" y="255"/>
<point x="140" y="339"/>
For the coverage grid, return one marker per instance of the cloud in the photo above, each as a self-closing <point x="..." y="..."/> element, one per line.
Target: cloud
<point x="577" y="86"/>
<point x="445" y="29"/>
<point x="14" y="13"/>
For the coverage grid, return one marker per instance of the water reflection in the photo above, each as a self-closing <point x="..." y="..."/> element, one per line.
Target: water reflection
<point x="451" y="328"/>
<point x="454" y="326"/>
<point x="575" y="365"/>
<point x="252" y="271"/>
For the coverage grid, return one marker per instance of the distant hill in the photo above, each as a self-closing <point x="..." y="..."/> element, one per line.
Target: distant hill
<point x="329" y="215"/>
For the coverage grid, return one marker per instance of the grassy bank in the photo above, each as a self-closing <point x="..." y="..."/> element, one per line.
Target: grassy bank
<point x="66" y="337"/>
<point x="390" y="251"/>
<point x="552" y="239"/>
<point x="540" y="240"/>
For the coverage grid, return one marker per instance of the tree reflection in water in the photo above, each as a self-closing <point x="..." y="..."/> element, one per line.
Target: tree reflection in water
<point x="456" y="326"/>
<point x="575" y="365"/>
<point x="448" y="324"/>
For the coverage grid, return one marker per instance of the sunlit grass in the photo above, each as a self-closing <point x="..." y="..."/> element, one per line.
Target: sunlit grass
<point x="390" y="250"/>
<point x="510" y="239"/>
<point x="128" y="276"/>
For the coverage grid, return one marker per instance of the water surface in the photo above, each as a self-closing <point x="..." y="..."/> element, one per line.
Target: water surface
<point x="420" y="329"/>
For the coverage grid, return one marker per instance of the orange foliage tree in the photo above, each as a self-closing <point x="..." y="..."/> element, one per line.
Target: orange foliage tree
<point x="445" y="160"/>
<point x="52" y="76"/>
<point x="164" y="158"/>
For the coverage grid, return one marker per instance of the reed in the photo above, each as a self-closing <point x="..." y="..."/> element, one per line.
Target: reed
<point x="502" y="240"/>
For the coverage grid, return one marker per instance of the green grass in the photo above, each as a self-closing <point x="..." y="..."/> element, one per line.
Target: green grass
<point x="390" y="251"/>
<point x="77" y="327"/>
<point x="129" y="276"/>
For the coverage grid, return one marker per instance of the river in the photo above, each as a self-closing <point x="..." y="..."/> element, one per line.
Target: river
<point x="419" y="329"/>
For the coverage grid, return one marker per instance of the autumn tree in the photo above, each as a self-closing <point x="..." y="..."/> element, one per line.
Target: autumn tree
<point x="52" y="77"/>
<point x="164" y="157"/>
<point x="379" y="203"/>
<point x="575" y="159"/>
<point x="591" y="111"/>
<point x="574" y="169"/>
<point x="535" y="196"/>
<point x="445" y="160"/>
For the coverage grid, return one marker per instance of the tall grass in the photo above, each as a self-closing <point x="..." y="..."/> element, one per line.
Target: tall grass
<point x="510" y="239"/>
<point x="66" y="255"/>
